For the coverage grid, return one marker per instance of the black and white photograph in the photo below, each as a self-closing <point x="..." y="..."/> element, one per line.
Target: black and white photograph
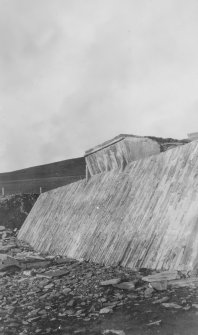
<point x="98" y="167"/>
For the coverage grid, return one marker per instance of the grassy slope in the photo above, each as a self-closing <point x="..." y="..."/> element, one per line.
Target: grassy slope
<point x="47" y="176"/>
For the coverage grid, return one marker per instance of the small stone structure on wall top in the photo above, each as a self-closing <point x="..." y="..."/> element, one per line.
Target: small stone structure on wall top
<point x="118" y="152"/>
<point x="193" y="136"/>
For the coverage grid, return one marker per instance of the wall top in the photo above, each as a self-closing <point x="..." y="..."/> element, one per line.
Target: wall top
<point x="193" y="136"/>
<point x="110" y="142"/>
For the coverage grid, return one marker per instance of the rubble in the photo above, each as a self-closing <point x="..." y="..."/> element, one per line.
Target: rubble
<point x="155" y="323"/>
<point x="113" y="332"/>
<point x="56" y="273"/>
<point x="38" y="292"/>
<point x="148" y="292"/>
<point x="162" y="276"/>
<point x="106" y="310"/>
<point x="159" y="285"/>
<point x="113" y="281"/>
<point x="186" y="282"/>
<point x="159" y="301"/>
<point x="129" y="286"/>
<point x="171" y="305"/>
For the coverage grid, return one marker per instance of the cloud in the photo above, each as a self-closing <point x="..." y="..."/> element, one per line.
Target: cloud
<point x="73" y="74"/>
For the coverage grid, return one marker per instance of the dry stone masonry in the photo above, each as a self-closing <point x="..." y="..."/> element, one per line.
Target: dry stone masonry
<point x="144" y="215"/>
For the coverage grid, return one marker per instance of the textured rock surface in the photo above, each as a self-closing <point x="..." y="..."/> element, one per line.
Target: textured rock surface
<point x="74" y="301"/>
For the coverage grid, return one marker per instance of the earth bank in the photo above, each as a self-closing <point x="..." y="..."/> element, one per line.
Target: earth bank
<point x="15" y="208"/>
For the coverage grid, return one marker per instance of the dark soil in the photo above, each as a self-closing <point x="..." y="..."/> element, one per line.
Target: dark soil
<point x="15" y="208"/>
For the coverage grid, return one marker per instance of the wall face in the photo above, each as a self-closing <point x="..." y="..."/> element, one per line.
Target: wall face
<point x="146" y="216"/>
<point x="117" y="155"/>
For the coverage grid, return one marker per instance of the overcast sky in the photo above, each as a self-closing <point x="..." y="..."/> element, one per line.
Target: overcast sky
<point x="74" y="73"/>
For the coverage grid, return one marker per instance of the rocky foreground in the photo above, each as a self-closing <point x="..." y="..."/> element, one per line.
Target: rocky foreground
<point x="44" y="294"/>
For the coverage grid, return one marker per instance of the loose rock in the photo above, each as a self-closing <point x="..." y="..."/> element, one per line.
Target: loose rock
<point x="113" y="332"/>
<point x="160" y="285"/>
<point x="159" y="301"/>
<point x="148" y="292"/>
<point x="129" y="286"/>
<point x="105" y="310"/>
<point x="171" y="305"/>
<point x="113" y="281"/>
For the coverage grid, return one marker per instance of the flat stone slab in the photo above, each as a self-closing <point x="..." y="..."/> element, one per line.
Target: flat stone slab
<point x="6" y="248"/>
<point x="112" y="281"/>
<point x="33" y="264"/>
<point x="35" y="258"/>
<point x="105" y="310"/>
<point x="55" y="273"/>
<point x="7" y="259"/>
<point x="171" y="305"/>
<point x="113" y="332"/>
<point x="159" y="301"/>
<point x="162" y="276"/>
<point x="9" y="262"/>
<point x="187" y="282"/>
<point x="129" y="286"/>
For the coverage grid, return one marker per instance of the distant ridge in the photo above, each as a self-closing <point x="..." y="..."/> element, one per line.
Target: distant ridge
<point x="47" y="176"/>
